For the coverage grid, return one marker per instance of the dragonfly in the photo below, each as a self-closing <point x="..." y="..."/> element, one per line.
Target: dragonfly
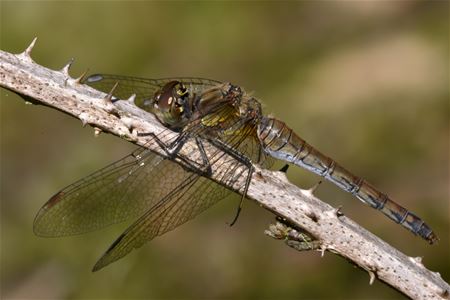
<point x="161" y="194"/>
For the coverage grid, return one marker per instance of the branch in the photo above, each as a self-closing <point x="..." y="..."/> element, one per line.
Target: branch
<point x="299" y="208"/>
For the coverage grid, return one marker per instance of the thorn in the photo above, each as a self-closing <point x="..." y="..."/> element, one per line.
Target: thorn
<point x="314" y="188"/>
<point x="27" y="51"/>
<point x="132" y="99"/>
<point x="109" y="97"/>
<point x="84" y="117"/>
<point x="285" y="168"/>
<point x="417" y="260"/>
<point x="372" y="277"/>
<point x="338" y="211"/>
<point x="83" y="121"/>
<point x="97" y="131"/>
<point x="66" y="68"/>
<point x="130" y="124"/>
<point x="81" y="78"/>
<point x="109" y="103"/>
<point x="134" y="133"/>
<point x="322" y="251"/>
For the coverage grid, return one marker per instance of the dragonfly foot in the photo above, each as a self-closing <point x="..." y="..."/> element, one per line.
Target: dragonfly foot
<point x="236" y="216"/>
<point x="238" y="211"/>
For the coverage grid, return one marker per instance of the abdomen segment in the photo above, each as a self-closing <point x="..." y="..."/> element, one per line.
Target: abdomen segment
<point x="279" y="141"/>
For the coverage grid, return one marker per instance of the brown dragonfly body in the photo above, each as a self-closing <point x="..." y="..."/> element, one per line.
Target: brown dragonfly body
<point x="163" y="195"/>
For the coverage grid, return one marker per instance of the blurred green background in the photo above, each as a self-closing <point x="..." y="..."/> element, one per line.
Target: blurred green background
<point x="365" y="82"/>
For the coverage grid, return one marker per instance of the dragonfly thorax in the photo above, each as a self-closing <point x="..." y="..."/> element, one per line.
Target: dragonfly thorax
<point x="250" y="108"/>
<point x="246" y="106"/>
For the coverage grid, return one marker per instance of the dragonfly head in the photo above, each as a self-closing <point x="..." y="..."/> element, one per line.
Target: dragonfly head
<point x="171" y="105"/>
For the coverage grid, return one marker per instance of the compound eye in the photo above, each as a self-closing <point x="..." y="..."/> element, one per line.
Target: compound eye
<point x="156" y="99"/>
<point x="179" y="105"/>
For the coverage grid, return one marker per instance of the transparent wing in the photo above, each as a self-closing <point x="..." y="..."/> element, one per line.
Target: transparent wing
<point x="165" y="194"/>
<point x="190" y="198"/>
<point x="113" y="194"/>
<point x="245" y="141"/>
<point x="144" y="88"/>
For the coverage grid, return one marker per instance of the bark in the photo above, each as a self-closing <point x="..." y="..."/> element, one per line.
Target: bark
<point x="299" y="210"/>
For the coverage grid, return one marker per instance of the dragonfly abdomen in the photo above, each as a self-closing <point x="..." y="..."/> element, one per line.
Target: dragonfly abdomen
<point x="279" y="141"/>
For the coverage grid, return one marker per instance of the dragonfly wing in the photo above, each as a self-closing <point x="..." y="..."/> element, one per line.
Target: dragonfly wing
<point x="245" y="141"/>
<point x="144" y="88"/>
<point x="190" y="198"/>
<point x="113" y="194"/>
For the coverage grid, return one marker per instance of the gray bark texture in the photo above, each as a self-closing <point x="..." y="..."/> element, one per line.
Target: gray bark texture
<point x="332" y="231"/>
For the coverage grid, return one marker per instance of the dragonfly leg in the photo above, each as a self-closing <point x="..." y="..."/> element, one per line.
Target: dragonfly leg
<point x="171" y="149"/>
<point x="241" y="203"/>
<point x="245" y="161"/>
<point x="236" y="155"/>
<point x="174" y="148"/>
<point x="205" y="158"/>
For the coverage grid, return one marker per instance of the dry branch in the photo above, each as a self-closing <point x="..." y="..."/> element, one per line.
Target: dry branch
<point x="300" y="208"/>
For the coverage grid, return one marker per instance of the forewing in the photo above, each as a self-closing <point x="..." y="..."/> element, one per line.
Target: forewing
<point x="113" y="194"/>
<point x="144" y="88"/>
